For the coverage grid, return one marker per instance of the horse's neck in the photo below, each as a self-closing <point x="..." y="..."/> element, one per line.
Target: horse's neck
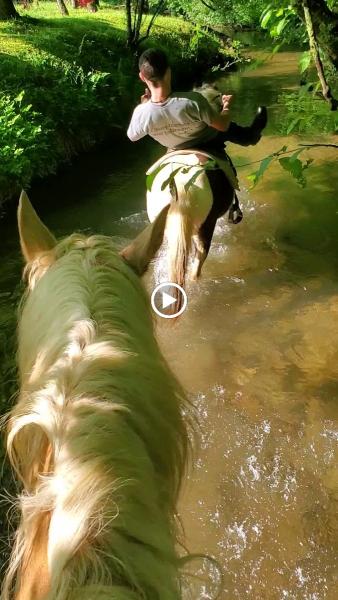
<point x="60" y="317"/>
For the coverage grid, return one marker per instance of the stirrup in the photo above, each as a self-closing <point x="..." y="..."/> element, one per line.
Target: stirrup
<point x="235" y="213"/>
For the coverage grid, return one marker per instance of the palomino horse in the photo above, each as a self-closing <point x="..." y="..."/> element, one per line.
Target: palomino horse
<point x="197" y="198"/>
<point x="97" y="436"/>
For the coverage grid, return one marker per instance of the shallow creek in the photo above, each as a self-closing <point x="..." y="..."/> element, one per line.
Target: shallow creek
<point x="256" y="350"/>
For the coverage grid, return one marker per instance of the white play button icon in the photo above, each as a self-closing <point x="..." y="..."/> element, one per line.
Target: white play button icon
<point x="167" y="300"/>
<point x="165" y="296"/>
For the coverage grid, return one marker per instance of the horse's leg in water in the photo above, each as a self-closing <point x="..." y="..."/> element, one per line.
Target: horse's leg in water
<point x="223" y="194"/>
<point x="202" y="241"/>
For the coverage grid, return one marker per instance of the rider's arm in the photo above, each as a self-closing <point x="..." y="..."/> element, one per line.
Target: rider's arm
<point x="137" y="129"/>
<point x="211" y="117"/>
<point x="221" y="121"/>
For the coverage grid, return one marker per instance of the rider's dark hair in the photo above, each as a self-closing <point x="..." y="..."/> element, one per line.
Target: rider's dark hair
<point x="153" y="64"/>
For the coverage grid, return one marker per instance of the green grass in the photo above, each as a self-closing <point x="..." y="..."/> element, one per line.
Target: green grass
<point x="78" y="81"/>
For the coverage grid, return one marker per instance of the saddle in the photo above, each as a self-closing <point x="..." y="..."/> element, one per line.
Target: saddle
<point x="225" y="165"/>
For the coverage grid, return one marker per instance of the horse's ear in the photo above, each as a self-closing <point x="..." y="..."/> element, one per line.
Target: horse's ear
<point x="143" y="249"/>
<point x="35" y="238"/>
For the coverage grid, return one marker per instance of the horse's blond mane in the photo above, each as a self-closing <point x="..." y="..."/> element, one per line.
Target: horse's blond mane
<point x="97" y="435"/>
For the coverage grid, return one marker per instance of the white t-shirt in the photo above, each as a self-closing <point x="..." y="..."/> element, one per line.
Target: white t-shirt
<point x="181" y="121"/>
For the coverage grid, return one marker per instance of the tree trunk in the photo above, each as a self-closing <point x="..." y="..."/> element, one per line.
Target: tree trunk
<point x="63" y="8"/>
<point x="129" y="25"/>
<point x="138" y="21"/>
<point x="316" y="56"/>
<point x="325" y="26"/>
<point x="134" y="13"/>
<point x="156" y="12"/>
<point x="7" y="10"/>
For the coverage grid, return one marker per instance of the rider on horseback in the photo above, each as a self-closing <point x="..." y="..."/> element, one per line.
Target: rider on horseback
<point x="185" y="119"/>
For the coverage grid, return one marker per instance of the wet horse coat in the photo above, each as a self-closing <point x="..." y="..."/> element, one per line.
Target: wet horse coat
<point x="194" y="207"/>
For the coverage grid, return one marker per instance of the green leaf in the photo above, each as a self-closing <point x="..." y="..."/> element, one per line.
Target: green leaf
<point x="266" y="17"/>
<point x="277" y="48"/>
<point x="20" y="96"/>
<point x="293" y="125"/>
<point x="292" y="166"/>
<point x="305" y="61"/>
<point x="280" y="26"/>
<point x="296" y="154"/>
<point x="295" y="167"/>
<point x="193" y="179"/>
<point x="254" y="177"/>
<point x="150" y="178"/>
<point x="170" y="178"/>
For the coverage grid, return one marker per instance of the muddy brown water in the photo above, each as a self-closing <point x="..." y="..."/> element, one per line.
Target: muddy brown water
<point x="256" y="350"/>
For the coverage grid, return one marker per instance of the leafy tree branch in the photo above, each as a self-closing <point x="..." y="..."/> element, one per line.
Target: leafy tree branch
<point x="292" y="164"/>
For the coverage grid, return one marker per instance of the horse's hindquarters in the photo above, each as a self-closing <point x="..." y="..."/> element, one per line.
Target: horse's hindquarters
<point x="191" y="189"/>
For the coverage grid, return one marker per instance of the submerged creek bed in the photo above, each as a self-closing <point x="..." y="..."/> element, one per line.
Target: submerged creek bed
<point x="256" y="350"/>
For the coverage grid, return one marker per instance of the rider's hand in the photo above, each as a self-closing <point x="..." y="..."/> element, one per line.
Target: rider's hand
<point x="226" y="101"/>
<point x="146" y="96"/>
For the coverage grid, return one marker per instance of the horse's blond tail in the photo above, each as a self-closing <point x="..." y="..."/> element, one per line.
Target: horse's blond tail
<point x="179" y="229"/>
